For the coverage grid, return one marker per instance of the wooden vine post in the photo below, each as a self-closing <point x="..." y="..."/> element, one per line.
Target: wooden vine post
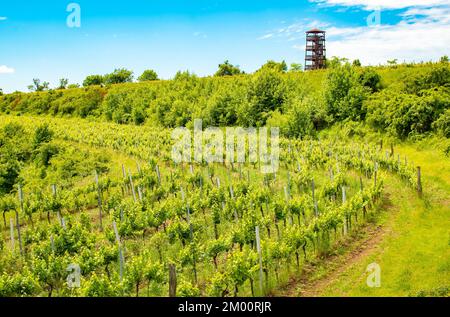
<point x="99" y="199"/>
<point x="57" y="211"/>
<point x="375" y="174"/>
<point x="316" y="209"/>
<point x="121" y="257"/>
<point x="158" y="174"/>
<point x="132" y="185"/>
<point x="124" y="180"/>
<point x="18" y="220"/>
<point x="258" y="247"/>
<point x="344" y="199"/>
<point x="11" y="227"/>
<point x="236" y="217"/>
<point x="191" y="234"/>
<point x="172" y="280"/>
<point x="419" y="181"/>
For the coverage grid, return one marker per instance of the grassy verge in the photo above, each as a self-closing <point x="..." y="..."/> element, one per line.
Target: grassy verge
<point x="414" y="254"/>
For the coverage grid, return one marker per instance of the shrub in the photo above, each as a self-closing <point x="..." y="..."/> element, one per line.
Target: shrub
<point x="442" y="124"/>
<point x="344" y="94"/>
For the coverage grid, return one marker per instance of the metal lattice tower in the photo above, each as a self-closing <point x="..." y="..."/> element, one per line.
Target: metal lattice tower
<point x="315" y="53"/>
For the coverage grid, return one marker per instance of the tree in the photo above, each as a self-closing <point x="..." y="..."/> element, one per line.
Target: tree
<point x="335" y="62"/>
<point x="93" y="80"/>
<point x="71" y="86"/>
<point x="37" y="86"/>
<point x="444" y="59"/>
<point x="148" y="75"/>
<point x="357" y="63"/>
<point x="296" y="67"/>
<point x="279" y="67"/>
<point x="1" y="92"/>
<point x="266" y="93"/>
<point x="42" y="135"/>
<point x="118" y="76"/>
<point x="392" y="62"/>
<point x="344" y="93"/>
<point x="63" y="82"/>
<point x="227" y="69"/>
<point x="370" y="78"/>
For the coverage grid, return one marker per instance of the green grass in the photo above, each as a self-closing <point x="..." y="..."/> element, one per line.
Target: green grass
<point x="414" y="254"/>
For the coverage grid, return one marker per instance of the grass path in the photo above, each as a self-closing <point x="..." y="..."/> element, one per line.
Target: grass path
<point x="410" y="241"/>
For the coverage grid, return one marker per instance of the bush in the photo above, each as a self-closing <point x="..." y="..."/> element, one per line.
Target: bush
<point x="93" y="80"/>
<point x="404" y="114"/>
<point x="371" y="79"/>
<point x="43" y="134"/>
<point x="442" y="125"/>
<point x="344" y="94"/>
<point x="437" y="76"/>
<point x="148" y="75"/>
<point x="120" y="75"/>
<point x="266" y="94"/>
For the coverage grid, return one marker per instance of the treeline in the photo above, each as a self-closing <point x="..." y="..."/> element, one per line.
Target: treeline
<point x="403" y="100"/>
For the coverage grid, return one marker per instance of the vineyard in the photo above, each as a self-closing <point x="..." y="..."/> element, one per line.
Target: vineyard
<point x="107" y="201"/>
<point x="93" y="204"/>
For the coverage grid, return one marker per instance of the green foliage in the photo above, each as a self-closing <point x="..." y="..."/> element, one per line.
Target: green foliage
<point x="63" y="82"/>
<point x="227" y="69"/>
<point x="43" y="134"/>
<point x="371" y="79"/>
<point x="356" y="63"/>
<point x="118" y="76"/>
<point x="296" y="67"/>
<point x="344" y="94"/>
<point x="291" y="101"/>
<point x="20" y="284"/>
<point x="38" y="86"/>
<point x="279" y="67"/>
<point x="435" y="77"/>
<point x="92" y="80"/>
<point x="266" y="93"/>
<point x="148" y="75"/>
<point x="419" y="109"/>
<point x="442" y="124"/>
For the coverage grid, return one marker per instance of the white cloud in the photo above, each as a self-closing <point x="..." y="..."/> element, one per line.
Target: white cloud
<point x="423" y="33"/>
<point x="266" y="36"/>
<point x="413" y="39"/>
<point x="383" y="4"/>
<point x="436" y="14"/>
<point x="294" y="31"/>
<point x="6" y="70"/>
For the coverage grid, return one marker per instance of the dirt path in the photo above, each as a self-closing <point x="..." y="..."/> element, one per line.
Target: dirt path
<point x="365" y="242"/>
<point x="361" y="250"/>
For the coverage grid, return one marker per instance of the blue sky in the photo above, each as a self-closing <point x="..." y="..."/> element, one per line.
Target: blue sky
<point x="197" y="35"/>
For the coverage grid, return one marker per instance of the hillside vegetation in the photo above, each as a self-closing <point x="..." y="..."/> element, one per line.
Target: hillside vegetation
<point x="404" y="100"/>
<point x="88" y="185"/>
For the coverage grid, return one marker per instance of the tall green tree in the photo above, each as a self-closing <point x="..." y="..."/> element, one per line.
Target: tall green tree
<point x="148" y="75"/>
<point x="279" y="67"/>
<point x="118" y="76"/>
<point x="92" y="80"/>
<point x="38" y="86"/>
<point x="296" y="67"/>
<point x="227" y="69"/>
<point x="63" y="82"/>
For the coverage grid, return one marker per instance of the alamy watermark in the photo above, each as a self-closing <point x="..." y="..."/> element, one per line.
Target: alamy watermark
<point x="74" y="277"/>
<point x="74" y="18"/>
<point x="374" y="19"/>
<point x="374" y="277"/>
<point x="237" y="145"/>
